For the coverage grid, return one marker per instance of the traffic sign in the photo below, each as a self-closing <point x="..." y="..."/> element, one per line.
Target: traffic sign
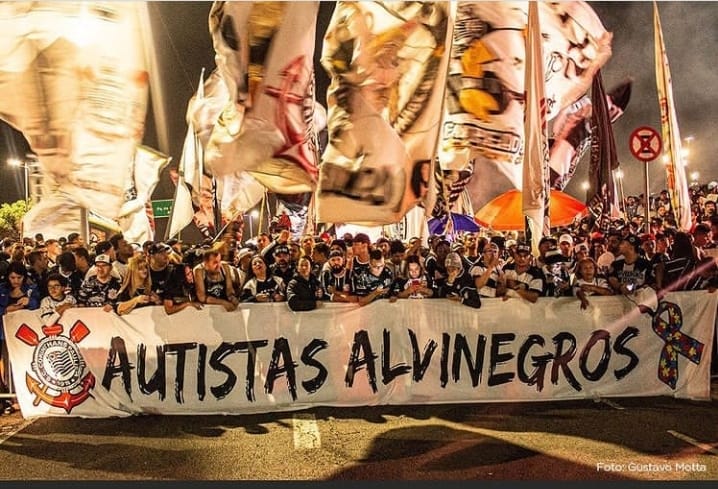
<point x="645" y="144"/>
<point x="161" y="208"/>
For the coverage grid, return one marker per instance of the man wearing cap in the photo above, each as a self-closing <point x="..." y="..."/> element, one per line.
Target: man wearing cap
<point x="242" y="263"/>
<point x="459" y="285"/>
<point x="267" y="251"/>
<point x="581" y="251"/>
<point x="546" y="243"/>
<point x="565" y="246"/>
<point x="281" y="267"/>
<point x="521" y="278"/>
<point x="74" y="240"/>
<point x="101" y="289"/>
<point x="168" y="280"/>
<point x="510" y="251"/>
<point x="630" y="271"/>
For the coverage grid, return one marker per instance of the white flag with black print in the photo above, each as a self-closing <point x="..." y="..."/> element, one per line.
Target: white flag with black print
<point x="387" y="63"/>
<point x="483" y="125"/>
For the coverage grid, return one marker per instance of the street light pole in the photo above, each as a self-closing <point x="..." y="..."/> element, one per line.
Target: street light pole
<point x="26" y="168"/>
<point x="26" y="174"/>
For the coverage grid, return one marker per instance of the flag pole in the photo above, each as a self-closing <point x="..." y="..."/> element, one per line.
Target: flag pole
<point x="261" y="213"/>
<point x="429" y="201"/>
<point x="171" y="216"/>
<point x="535" y="194"/>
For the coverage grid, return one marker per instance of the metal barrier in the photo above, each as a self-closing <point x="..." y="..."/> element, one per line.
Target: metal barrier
<point x="8" y="373"/>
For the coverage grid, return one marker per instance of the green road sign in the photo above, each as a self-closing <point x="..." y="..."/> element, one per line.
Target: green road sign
<point x="161" y="208"/>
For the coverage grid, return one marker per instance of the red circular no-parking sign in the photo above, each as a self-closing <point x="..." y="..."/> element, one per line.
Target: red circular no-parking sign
<point x="645" y="144"/>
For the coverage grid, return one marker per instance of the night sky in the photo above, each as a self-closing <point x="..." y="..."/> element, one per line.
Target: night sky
<point x="690" y="31"/>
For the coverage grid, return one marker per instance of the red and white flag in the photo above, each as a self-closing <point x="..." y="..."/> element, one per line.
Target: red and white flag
<point x="536" y="187"/>
<point x="264" y="53"/>
<point x="675" y="167"/>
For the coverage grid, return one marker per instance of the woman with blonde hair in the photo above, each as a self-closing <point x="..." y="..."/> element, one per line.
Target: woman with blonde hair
<point x="136" y="290"/>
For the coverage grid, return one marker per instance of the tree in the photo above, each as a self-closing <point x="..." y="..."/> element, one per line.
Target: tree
<point x="11" y="218"/>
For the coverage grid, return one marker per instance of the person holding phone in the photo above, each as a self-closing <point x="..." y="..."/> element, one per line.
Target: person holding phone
<point x="417" y="285"/>
<point x="630" y="271"/>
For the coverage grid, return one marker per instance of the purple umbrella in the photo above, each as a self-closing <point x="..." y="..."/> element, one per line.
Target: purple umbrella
<point x="460" y="223"/>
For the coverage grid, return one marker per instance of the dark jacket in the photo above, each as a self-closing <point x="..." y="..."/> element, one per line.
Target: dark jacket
<point x="463" y="287"/>
<point x="302" y="293"/>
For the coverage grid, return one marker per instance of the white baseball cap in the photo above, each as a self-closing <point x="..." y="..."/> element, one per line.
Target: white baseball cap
<point x="566" y="238"/>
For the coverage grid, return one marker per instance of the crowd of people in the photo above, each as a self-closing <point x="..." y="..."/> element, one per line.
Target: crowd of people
<point x="593" y="257"/>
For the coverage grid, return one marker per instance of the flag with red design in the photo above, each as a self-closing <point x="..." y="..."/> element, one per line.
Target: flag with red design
<point x="264" y="54"/>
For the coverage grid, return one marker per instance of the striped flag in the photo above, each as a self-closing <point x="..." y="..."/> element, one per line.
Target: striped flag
<point x="571" y="136"/>
<point x="675" y="169"/>
<point x="190" y="176"/>
<point x="536" y="187"/>
<point x="601" y="196"/>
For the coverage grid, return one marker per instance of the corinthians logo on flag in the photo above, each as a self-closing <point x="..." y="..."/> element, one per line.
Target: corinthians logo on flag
<point x="58" y="365"/>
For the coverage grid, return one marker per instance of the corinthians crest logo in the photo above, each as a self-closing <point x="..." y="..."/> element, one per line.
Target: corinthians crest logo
<point x="58" y="366"/>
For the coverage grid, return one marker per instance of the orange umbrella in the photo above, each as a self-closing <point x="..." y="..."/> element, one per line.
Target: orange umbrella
<point x="504" y="212"/>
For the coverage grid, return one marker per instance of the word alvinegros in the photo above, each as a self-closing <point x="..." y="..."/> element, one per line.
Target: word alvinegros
<point x="485" y="357"/>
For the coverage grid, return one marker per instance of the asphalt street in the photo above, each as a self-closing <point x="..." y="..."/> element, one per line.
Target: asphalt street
<point x="617" y="439"/>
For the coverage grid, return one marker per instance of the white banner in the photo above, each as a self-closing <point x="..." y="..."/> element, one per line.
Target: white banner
<point x="263" y="357"/>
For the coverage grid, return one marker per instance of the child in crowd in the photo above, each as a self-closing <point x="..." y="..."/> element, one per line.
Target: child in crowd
<point x="57" y="302"/>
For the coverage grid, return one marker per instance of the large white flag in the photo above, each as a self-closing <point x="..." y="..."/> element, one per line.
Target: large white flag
<point x="483" y="126"/>
<point x="675" y="169"/>
<point x="136" y="224"/>
<point x="190" y="175"/>
<point x="535" y="168"/>
<point x="387" y="62"/>
<point x="236" y="191"/>
<point x="73" y="80"/>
